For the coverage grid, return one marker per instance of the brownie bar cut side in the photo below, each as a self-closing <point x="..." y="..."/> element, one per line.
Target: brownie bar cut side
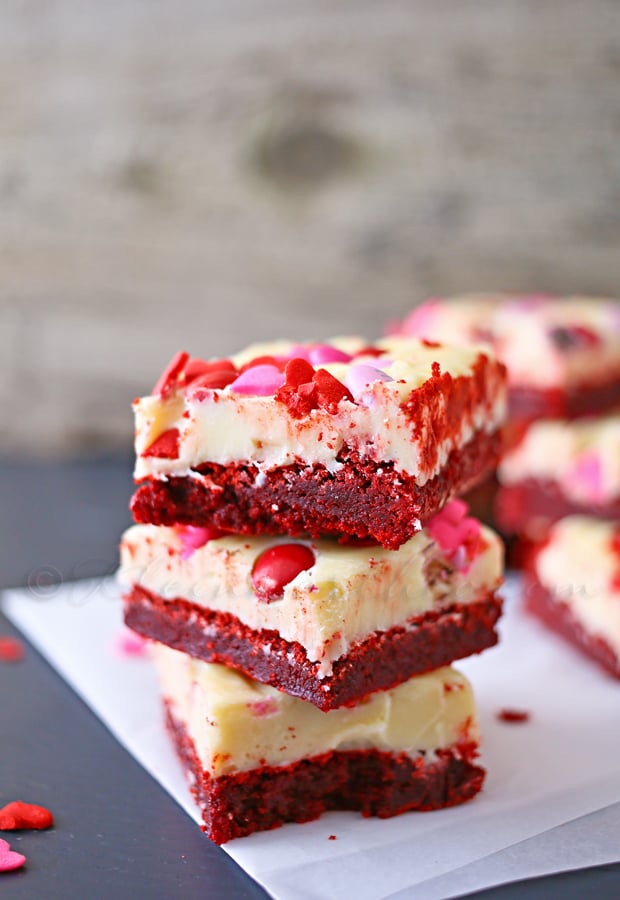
<point x="363" y="499"/>
<point x="530" y="404"/>
<point x="558" y="616"/>
<point x="516" y="505"/>
<point x="370" y="781"/>
<point x="379" y="662"/>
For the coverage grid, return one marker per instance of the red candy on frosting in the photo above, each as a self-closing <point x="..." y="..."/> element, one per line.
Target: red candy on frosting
<point x="17" y="816"/>
<point x="277" y="567"/>
<point x="170" y="377"/>
<point x="166" y="446"/>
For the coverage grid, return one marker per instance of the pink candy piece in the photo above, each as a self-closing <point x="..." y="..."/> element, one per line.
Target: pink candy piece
<point x="9" y="859"/>
<point x="325" y="353"/>
<point x="421" y="320"/>
<point x="298" y="351"/>
<point x="128" y="643"/>
<point x="457" y="534"/>
<point x="359" y="378"/>
<point x="258" y="381"/>
<point x="192" y="537"/>
<point x="587" y="472"/>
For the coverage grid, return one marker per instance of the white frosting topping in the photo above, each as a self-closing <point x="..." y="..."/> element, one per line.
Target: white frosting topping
<point x="237" y="724"/>
<point x="581" y="457"/>
<point x="519" y="329"/>
<point x="347" y="595"/>
<point x="225" y="427"/>
<point x="578" y="566"/>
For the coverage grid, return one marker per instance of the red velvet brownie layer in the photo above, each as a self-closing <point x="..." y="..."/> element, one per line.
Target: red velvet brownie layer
<point x="382" y="661"/>
<point x="531" y="506"/>
<point x="369" y="445"/>
<point x="363" y="498"/>
<point x="530" y="404"/>
<point x="372" y="782"/>
<point x="573" y="585"/>
<point x="559" y="617"/>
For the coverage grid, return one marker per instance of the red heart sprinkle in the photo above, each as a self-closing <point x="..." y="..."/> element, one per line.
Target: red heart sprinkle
<point x="330" y="390"/>
<point x="278" y="566"/>
<point x="9" y="859"/>
<point x="298" y="371"/>
<point x="17" y="815"/>
<point x="171" y="375"/>
<point x="166" y="446"/>
<point x="11" y="650"/>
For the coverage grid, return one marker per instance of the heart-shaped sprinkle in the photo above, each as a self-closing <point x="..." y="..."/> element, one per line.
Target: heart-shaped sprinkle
<point x="9" y="859"/>
<point x="325" y="353"/>
<point x="129" y="643"/>
<point x="16" y="816"/>
<point x="277" y="567"/>
<point x="11" y="650"/>
<point x="259" y="381"/>
<point x="263" y="361"/>
<point x="458" y="534"/>
<point x="330" y="391"/>
<point x="215" y="380"/>
<point x="197" y="368"/>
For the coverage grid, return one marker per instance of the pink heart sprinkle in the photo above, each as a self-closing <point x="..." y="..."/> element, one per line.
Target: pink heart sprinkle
<point x="421" y="320"/>
<point x="325" y="353"/>
<point x="128" y="643"/>
<point x="258" y="381"/>
<point x="457" y="534"/>
<point x="359" y="378"/>
<point x="9" y="859"/>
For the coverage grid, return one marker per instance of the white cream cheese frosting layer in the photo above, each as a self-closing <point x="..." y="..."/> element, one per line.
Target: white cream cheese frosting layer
<point x="347" y="595"/>
<point x="519" y="327"/>
<point x="237" y="724"/>
<point x="579" y="566"/>
<point x="581" y="457"/>
<point x="226" y="427"/>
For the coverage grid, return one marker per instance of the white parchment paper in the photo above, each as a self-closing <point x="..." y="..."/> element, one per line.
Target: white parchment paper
<point x="562" y="764"/>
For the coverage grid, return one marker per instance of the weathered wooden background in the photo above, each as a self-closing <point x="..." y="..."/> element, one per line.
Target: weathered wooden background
<point x="199" y="174"/>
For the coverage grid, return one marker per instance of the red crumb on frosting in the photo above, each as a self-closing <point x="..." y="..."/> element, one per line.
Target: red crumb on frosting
<point x="166" y="446"/>
<point x="11" y="650"/>
<point x="9" y="859"/>
<point x="17" y="816"/>
<point x="513" y="716"/>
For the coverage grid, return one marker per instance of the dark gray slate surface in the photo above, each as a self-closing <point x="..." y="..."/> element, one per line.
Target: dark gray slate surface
<point x="117" y="833"/>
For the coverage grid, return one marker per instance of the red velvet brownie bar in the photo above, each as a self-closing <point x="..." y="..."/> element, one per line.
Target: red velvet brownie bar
<point x="574" y="586"/>
<point x="562" y="354"/>
<point x="320" y="620"/>
<point x="257" y="758"/>
<point x="559" y="469"/>
<point x="346" y="439"/>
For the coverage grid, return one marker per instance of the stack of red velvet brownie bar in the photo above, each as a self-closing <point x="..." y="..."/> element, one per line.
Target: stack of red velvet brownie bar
<point x="559" y="481"/>
<point x="307" y="577"/>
